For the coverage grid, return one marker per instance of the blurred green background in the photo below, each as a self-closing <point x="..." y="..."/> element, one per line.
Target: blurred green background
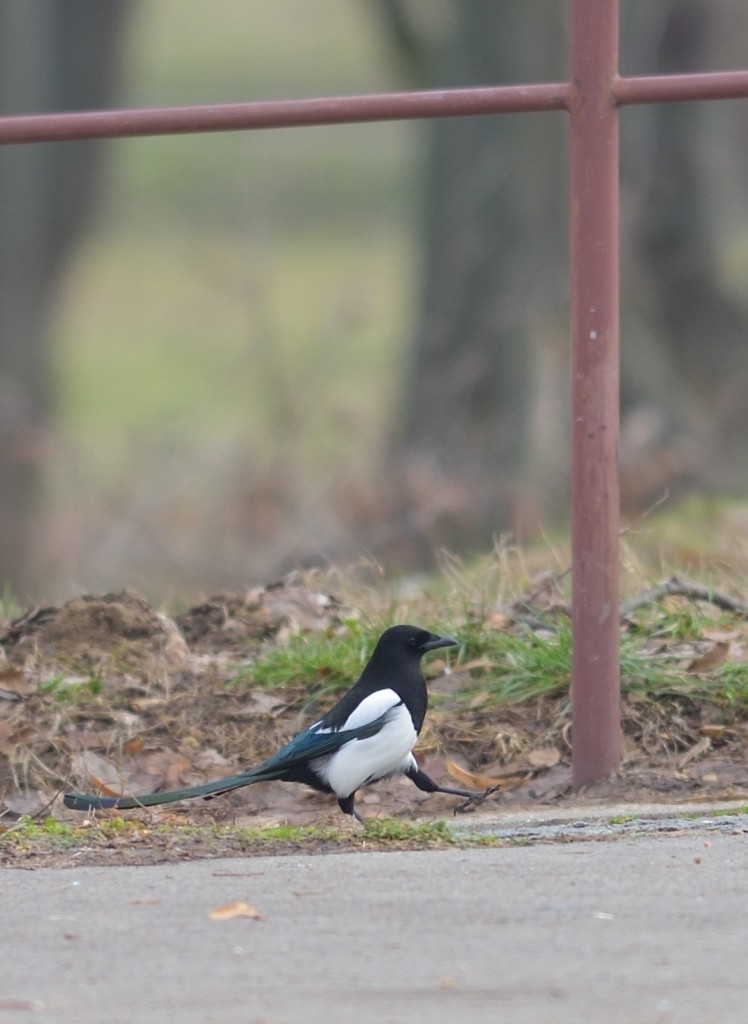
<point x="227" y="333"/>
<point x="224" y="356"/>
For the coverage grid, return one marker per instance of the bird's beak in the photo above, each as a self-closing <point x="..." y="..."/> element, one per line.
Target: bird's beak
<point x="435" y="641"/>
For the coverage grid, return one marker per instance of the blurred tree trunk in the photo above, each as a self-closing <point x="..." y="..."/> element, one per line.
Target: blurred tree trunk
<point x="53" y="56"/>
<point x="483" y="428"/>
<point x="493" y="187"/>
<point x="685" y="363"/>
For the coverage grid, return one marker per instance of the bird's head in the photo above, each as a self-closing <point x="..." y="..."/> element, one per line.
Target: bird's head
<point x="410" y="640"/>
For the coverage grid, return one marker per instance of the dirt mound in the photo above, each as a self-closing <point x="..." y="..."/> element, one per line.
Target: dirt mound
<point x="235" y="622"/>
<point x="96" y="634"/>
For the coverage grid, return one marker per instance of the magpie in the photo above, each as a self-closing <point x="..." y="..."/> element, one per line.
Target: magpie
<point x="367" y="736"/>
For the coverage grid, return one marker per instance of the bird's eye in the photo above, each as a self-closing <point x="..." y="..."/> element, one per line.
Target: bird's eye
<point x="412" y="640"/>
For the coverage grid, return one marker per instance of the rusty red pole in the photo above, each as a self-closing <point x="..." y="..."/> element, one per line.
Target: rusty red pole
<point x="595" y="402"/>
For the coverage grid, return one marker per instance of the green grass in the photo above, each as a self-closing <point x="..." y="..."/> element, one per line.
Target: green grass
<point x="393" y="830"/>
<point x="241" y="302"/>
<point x="65" y="692"/>
<point x="522" y="666"/>
<point x="382" y="833"/>
<point x="183" y="51"/>
<point x="226" y="278"/>
<point x="207" y="339"/>
<point x="49" y="832"/>
<point x="375" y="830"/>
<point x="514" y="668"/>
<point x="313" y="659"/>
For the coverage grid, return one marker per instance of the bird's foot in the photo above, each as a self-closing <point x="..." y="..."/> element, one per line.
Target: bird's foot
<point x="351" y="826"/>
<point x="475" y="799"/>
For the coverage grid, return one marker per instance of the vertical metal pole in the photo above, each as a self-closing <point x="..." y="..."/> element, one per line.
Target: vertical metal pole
<point x="595" y="376"/>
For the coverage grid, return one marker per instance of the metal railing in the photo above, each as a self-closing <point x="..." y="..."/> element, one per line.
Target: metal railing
<point x="591" y="98"/>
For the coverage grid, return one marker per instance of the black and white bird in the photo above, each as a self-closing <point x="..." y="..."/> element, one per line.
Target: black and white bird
<point x="367" y="736"/>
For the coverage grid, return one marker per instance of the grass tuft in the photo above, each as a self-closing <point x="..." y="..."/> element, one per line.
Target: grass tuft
<point x="314" y="658"/>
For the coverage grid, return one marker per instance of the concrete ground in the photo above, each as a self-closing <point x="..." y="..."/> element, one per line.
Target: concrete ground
<point x="643" y="928"/>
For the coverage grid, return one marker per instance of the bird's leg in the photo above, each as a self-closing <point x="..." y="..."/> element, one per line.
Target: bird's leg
<point x="348" y="806"/>
<point x="427" y="784"/>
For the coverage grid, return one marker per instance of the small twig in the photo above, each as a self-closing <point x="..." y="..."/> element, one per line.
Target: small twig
<point x="677" y="587"/>
<point x="522" y="610"/>
<point x="532" y="622"/>
<point x="645" y="514"/>
<point x="523" y="613"/>
<point x="553" y="581"/>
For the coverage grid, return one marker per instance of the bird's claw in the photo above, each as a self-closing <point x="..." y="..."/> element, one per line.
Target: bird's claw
<point x="474" y="799"/>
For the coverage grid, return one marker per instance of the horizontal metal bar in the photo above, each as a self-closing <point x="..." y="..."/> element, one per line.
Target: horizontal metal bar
<point x="283" y="113"/>
<point x="716" y="85"/>
<point x="396" y="106"/>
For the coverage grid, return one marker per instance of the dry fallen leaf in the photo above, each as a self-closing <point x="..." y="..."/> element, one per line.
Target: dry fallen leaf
<point x="716" y="732"/>
<point x="544" y="757"/>
<point x="167" y="817"/>
<point x="723" y="634"/>
<point x="231" y="910"/>
<point x="498" y="621"/>
<point x="262" y="702"/>
<point x="471" y="779"/>
<point x="100" y="774"/>
<point x="30" y="801"/>
<point x="101" y="788"/>
<point x="695" y="751"/>
<point x="712" y="658"/>
<point x="14" y="683"/>
<point x="637" y="697"/>
<point x="8" y="739"/>
<point x="147" y="703"/>
<point x="435" y="668"/>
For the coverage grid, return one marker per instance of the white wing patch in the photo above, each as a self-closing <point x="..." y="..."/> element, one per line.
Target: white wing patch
<point x="376" y="757"/>
<point x="371" y="708"/>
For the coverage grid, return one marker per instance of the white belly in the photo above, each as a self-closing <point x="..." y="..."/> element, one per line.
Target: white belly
<point x="366" y="760"/>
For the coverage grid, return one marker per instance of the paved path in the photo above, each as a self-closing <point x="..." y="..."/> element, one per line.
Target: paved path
<point x="643" y="929"/>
